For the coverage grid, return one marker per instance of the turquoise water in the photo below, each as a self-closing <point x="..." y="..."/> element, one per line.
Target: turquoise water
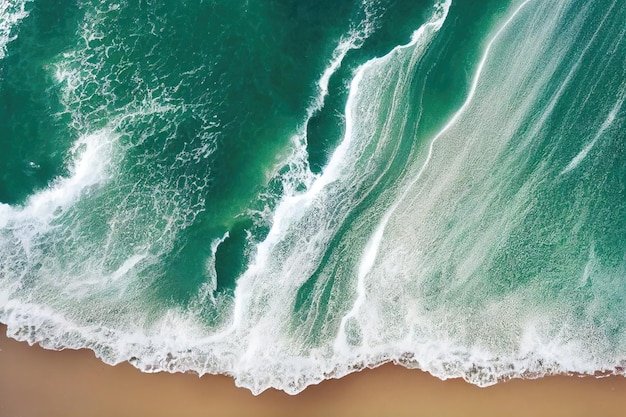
<point x="289" y="191"/>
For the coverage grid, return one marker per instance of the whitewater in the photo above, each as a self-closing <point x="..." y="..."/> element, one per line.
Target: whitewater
<point x="476" y="233"/>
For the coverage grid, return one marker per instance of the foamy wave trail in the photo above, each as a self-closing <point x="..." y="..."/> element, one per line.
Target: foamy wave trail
<point x="295" y="174"/>
<point x="92" y="233"/>
<point x="79" y="257"/>
<point x="468" y="225"/>
<point x="301" y="260"/>
<point x="500" y="251"/>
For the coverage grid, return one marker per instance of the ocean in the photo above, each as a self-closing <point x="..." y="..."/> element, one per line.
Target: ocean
<point x="287" y="191"/>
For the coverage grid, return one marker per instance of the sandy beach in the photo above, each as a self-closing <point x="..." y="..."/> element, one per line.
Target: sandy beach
<point x="35" y="382"/>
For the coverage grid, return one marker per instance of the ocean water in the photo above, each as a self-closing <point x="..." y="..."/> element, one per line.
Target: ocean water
<point x="287" y="191"/>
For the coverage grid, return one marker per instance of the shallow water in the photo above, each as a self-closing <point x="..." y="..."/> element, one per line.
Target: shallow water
<point x="287" y="192"/>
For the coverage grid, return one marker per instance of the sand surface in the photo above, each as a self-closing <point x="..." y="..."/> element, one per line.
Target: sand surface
<point x="37" y="382"/>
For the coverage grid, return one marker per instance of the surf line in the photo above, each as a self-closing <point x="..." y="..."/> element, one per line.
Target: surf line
<point x="354" y="39"/>
<point x="292" y="207"/>
<point x="371" y="249"/>
<point x="441" y="13"/>
<point x="292" y="202"/>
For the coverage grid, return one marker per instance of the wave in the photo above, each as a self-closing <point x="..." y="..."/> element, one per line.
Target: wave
<point x="294" y="173"/>
<point x="443" y="252"/>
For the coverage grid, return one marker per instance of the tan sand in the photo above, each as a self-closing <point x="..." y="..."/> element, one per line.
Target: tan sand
<point x="37" y="382"/>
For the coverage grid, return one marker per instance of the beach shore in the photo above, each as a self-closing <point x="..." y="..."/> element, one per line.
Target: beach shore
<point x="36" y="382"/>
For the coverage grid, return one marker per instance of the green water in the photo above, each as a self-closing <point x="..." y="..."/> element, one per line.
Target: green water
<point x="286" y="191"/>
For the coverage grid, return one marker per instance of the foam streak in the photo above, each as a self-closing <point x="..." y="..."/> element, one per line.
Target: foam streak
<point x="372" y="248"/>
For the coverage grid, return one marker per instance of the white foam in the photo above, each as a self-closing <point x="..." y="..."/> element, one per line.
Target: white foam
<point x="11" y="13"/>
<point x="455" y="327"/>
<point x="292" y="208"/>
<point x="507" y="337"/>
<point x="127" y="266"/>
<point x="89" y="168"/>
<point x="372" y="248"/>
<point x="355" y="38"/>
<point x="299" y="172"/>
<point x="43" y="234"/>
<point x="294" y="202"/>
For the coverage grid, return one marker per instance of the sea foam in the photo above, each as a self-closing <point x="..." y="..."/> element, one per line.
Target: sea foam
<point x="11" y="13"/>
<point x="448" y="260"/>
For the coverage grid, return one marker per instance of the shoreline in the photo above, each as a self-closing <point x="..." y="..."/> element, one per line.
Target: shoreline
<point x="38" y="382"/>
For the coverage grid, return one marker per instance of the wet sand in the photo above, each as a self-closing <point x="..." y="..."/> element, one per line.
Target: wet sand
<point x="36" y="382"/>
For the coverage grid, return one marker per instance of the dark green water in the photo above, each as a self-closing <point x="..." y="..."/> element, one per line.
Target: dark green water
<point x="286" y="191"/>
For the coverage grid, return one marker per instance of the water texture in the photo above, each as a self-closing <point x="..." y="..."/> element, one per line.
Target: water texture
<point x="290" y="191"/>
